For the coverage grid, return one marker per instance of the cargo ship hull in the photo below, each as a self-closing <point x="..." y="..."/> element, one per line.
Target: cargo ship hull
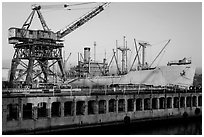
<point x="179" y="75"/>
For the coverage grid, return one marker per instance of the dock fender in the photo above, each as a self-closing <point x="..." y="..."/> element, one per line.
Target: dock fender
<point x="197" y="111"/>
<point x="185" y="114"/>
<point x="127" y="120"/>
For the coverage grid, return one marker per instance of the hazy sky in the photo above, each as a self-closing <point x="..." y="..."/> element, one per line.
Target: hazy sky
<point x="152" y="22"/>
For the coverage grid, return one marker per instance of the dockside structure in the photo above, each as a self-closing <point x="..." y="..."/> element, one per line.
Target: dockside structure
<point x="55" y="110"/>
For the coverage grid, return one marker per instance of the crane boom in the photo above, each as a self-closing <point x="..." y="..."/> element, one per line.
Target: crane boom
<point x="77" y="23"/>
<point x="160" y="52"/>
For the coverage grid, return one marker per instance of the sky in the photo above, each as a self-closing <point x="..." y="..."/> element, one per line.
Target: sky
<point x="154" y="22"/>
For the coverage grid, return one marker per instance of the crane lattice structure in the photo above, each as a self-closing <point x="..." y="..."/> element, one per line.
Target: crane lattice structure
<point x="41" y="48"/>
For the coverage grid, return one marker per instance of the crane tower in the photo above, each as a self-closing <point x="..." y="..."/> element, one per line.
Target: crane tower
<point x="41" y="49"/>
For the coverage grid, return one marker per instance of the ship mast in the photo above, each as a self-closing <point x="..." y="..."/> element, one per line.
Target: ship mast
<point x="124" y="50"/>
<point x="144" y="45"/>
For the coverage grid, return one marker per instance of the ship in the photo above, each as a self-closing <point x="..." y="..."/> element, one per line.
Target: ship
<point x="92" y="97"/>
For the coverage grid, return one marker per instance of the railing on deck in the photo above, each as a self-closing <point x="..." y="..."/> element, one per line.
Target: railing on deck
<point x="98" y="91"/>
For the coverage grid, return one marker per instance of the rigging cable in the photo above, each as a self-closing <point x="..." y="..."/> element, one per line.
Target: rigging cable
<point x="59" y="6"/>
<point x="160" y="42"/>
<point x="161" y="58"/>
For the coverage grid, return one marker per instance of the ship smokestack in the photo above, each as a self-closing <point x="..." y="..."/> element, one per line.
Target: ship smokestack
<point x="86" y="54"/>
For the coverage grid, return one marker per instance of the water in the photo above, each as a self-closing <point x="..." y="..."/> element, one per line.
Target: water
<point x="190" y="126"/>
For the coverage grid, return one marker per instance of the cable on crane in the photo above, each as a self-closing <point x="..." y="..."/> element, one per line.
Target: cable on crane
<point x="80" y="8"/>
<point x="68" y="5"/>
<point x="58" y="6"/>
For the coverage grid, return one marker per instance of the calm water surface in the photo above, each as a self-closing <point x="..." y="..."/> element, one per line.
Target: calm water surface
<point x="190" y="126"/>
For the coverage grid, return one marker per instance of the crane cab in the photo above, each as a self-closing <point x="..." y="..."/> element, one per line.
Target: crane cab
<point x="13" y="35"/>
<point x="41" y="34"/>
<point x="16" y="35"/>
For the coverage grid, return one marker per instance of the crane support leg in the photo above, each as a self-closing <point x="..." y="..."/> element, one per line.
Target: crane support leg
<point x="44" y="67"/>
<point x="14" y="65"/>
<point x="60" y="63"/>
<point x="30" y="72"/>
<point x="29" y="77"/>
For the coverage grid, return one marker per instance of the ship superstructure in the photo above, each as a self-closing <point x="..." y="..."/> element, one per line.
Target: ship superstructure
<point x="181" y="76"/>
<point x="176" y="73"/>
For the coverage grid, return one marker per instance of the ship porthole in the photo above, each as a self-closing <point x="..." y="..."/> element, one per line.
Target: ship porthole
<point x="197" y="111"/>
<point x="127" y="120"/>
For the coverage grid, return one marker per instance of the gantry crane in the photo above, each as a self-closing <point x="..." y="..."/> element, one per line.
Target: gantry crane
<point x="38" y="47"/>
